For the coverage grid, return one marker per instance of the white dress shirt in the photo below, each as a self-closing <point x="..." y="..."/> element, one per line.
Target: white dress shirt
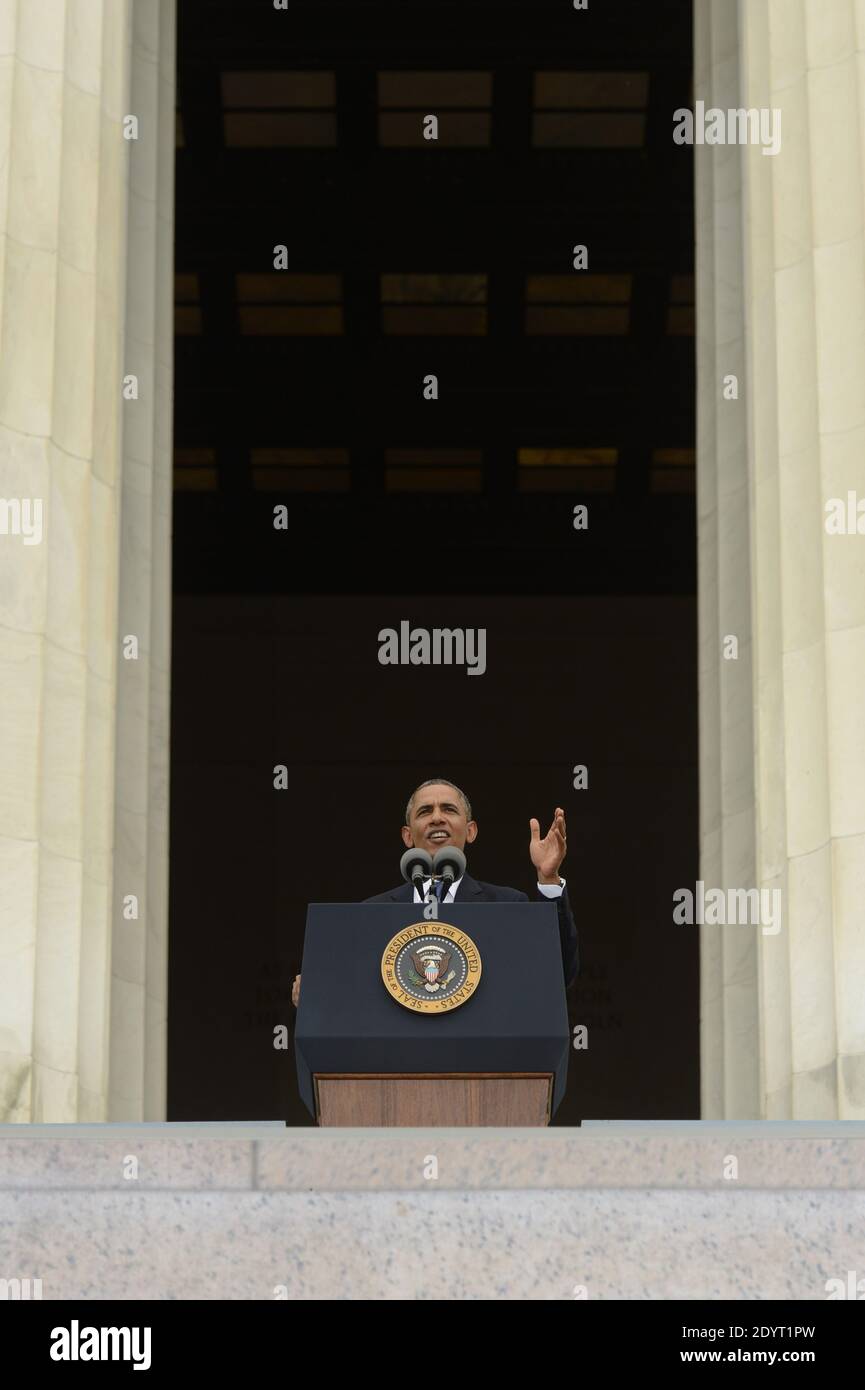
<point x="549" y="890"/>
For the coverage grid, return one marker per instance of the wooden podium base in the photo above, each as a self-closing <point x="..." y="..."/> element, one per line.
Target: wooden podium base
<point x="420" y="1100"/>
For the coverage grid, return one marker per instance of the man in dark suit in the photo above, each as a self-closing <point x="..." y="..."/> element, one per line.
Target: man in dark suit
<point x="438" y="814"/>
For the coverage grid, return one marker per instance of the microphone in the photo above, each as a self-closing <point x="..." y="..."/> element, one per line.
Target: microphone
<point x="415" y="866"/>
<point x="449" y="864"/>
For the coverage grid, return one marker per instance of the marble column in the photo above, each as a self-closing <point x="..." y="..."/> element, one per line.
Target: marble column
<point x="86" y="231"/>
<point x="781" y="307"/>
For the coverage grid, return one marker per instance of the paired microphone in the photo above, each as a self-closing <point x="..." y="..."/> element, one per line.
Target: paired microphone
<point x="417" y="865"/>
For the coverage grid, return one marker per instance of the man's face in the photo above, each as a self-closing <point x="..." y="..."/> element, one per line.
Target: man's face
<point x="438" y="818"/>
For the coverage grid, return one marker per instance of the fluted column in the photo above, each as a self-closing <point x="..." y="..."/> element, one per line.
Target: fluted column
<point x="781" y="305"/>
<point x="85" y="303"/>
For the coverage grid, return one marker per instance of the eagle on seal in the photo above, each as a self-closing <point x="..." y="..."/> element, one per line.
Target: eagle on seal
<point x="431" y="970"/>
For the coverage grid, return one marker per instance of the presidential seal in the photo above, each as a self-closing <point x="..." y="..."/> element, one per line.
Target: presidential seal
<point x="431" y="970"/>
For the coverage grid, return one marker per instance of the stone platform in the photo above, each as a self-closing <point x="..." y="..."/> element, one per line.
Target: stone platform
<point x="608" y="1211"/>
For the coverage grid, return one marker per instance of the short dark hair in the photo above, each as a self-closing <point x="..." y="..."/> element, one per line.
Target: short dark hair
<point x="438" y="782"/>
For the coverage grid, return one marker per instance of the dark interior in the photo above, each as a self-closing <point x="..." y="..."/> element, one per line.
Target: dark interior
<point x="303" y="388"/>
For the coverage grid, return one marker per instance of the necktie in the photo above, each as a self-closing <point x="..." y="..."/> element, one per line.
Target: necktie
<point x="438" y="888"/>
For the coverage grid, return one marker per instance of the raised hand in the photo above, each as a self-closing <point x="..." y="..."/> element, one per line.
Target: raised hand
<point x="548" y="853"/>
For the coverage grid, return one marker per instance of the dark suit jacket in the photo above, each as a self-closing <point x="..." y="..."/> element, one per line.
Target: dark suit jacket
<point x="472" y="890"/>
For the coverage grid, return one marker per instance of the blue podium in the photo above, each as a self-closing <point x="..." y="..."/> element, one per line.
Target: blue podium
<point x="454" y="1020"/>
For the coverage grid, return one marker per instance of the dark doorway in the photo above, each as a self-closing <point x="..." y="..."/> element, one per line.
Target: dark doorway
<point x="307" y="388"/>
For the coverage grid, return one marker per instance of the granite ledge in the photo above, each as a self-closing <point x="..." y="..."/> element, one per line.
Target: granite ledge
<point x="266" y="1156"/>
